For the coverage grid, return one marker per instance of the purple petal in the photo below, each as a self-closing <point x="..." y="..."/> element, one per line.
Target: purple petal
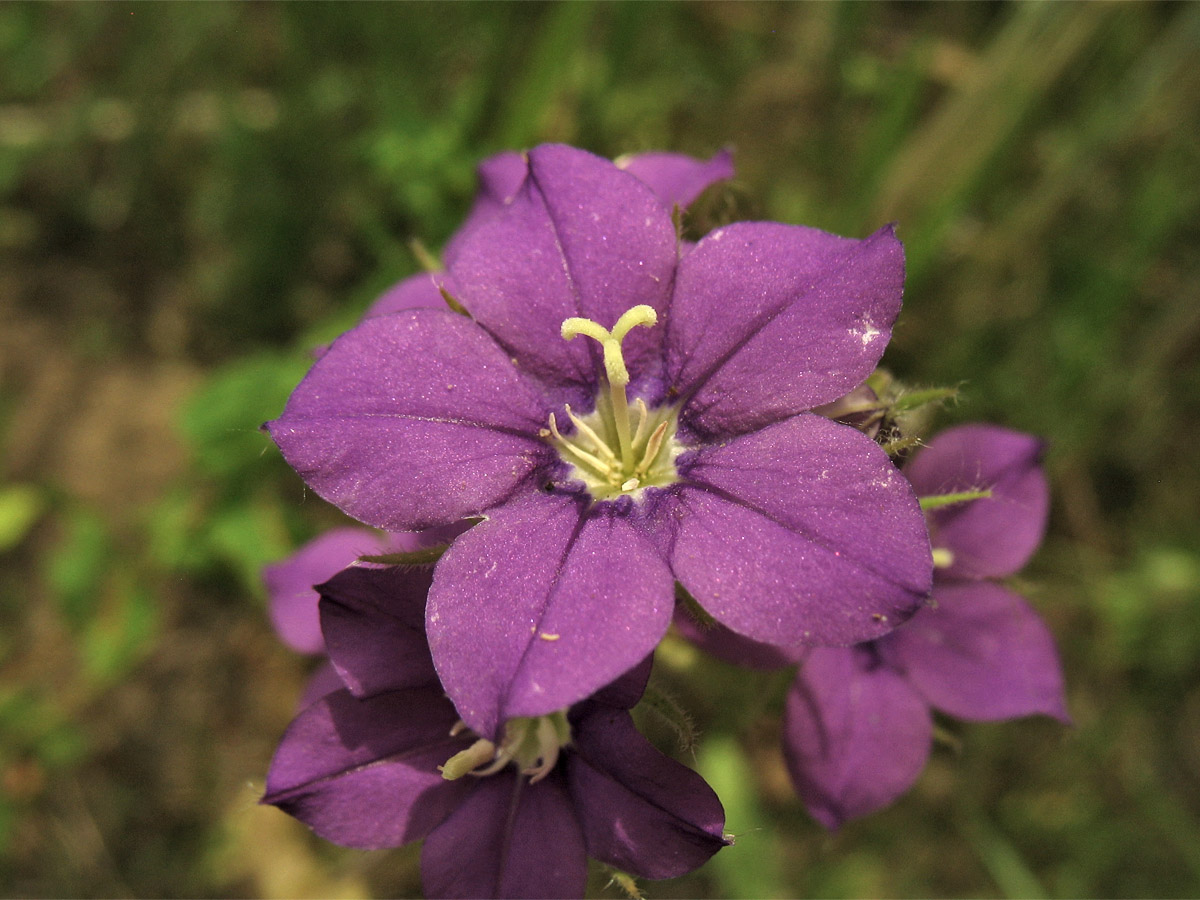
<point x="509" y="839"/>
<point x="769" y="320"/>
<point x="641" y="812"/>
<point x="855" y="734"/>
<point x="994" y="537"/>
<point x="412" y="420"/>
<point x="803" y="532"/>
<point x="678" y="179"/>
<point x="542" y="604"/>
<point x="363" y="773"/>
<point x="374" y="625"/>
<point x="321" y="683"/>
<point x="500" y="177"/>
<point x="416" y="291"/>
<point x="289" y="583"/>
<point x="581" y="238"/>
<point x="729" y="646"/>
<point x="981" y="653"/>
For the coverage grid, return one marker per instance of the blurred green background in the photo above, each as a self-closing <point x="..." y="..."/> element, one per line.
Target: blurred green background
<point x="191" y="196"/>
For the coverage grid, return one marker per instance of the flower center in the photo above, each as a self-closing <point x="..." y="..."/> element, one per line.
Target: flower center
<point x="615" y="450"/>
<point x="531" y="744"/>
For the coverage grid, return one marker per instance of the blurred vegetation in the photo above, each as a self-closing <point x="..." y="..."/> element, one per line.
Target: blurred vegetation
<point x="192" y="196"/>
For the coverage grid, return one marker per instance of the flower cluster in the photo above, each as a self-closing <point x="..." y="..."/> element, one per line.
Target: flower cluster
<point x="572" y="420"/>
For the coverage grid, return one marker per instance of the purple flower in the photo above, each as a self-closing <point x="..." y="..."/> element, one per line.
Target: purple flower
<point x="857" y="727"/>
<point x="291" y="595"/>
<point x="673" y="443"/>
<point x="676" y="179"/>
<point x="292" y="599"/>
<point x="385" y="762"/>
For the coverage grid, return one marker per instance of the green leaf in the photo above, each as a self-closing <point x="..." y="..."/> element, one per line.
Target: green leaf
<point x="120" y="635"/>
<point x="222" y="420"/>
<point x="78" y="565"/>
<point x="21" y="505"/>
<point x="750" y="868"/>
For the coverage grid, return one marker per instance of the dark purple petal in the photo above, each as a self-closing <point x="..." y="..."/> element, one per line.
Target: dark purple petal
<point x="363" y="773"/>
<point x="321" y="683"/>
<point x="729" y="646"/>
<point x="678" y="179"/>
<point x="420" y="290"/>
<point x="855" y="734"/>
<point x="769" y="320"/>
<point x="289" y="583"/>
<point x="803" y="532"/>
<point x="641" y="812"/>
<point x="500" y="178"/>
<point x="581" y="238"/>
<point x="510" y="838"/>
<point x="981" y="653"/>
<point x="626" y="691"/>
<point x="374" y="625"/>
<point x="540" y="605"/>
<point x="412" y="420"/>
<point x="994" y="537"/>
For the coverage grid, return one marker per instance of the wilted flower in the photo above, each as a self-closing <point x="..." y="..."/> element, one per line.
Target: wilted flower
<point x="857" y="727"/>
<point x="672" y="444"/>
<point x="385" y="762"/>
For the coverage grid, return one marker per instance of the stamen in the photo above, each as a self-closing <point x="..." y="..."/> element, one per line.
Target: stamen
<point x="621" y="446"/>
<point x="639" y="435"/>
<point x="587" y="431"/>
<point x="503" y="758"/>
<point x="943" y="558"/>
<point x="595" y="463"/>
<point x="652" y="448"/>
<point x="548" y="738"/>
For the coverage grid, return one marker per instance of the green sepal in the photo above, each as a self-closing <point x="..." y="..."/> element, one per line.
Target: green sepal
<point x="452" y="302"/>
<point x="678" y="719"/>
<point x="693" y="608"/>
<point x="626" y="882"/>
<point x="426" y="556"/>
<point x="425" y="257"/>
<point x="899" y="445"/>
<point x="946" y="738"/>
<point x="937" y="501"/>
<point x="911" y="400"/>
<point x="677" y="221"/>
